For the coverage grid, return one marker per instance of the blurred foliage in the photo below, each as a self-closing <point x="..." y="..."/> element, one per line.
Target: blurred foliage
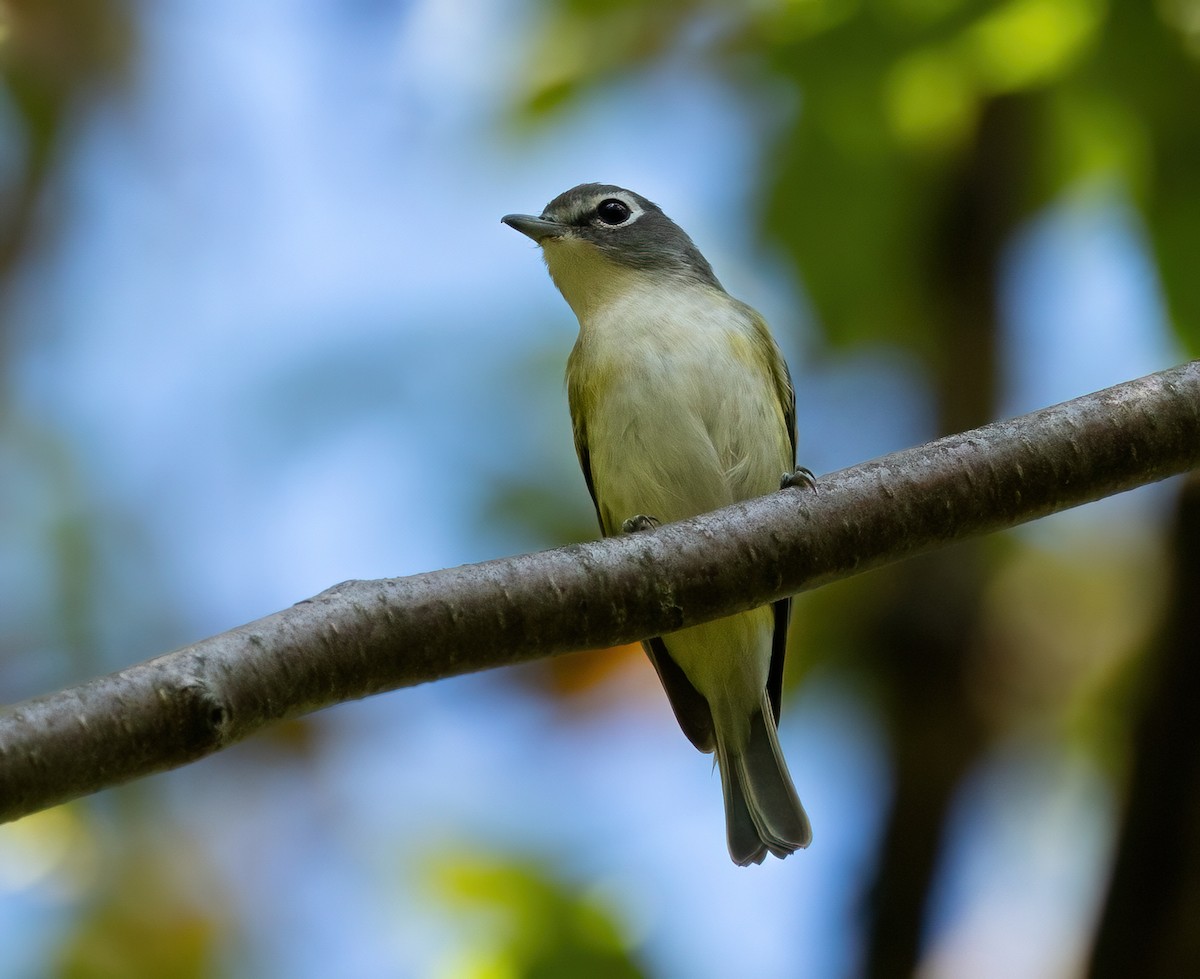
<point x="143" y="923"/>
<point x="575" y="679"/>
<point x="920" y="128"/>
<point x="52" y="54"/>
<point x="143" y="933"/>
<point x="522" y="922"/>
<point x="135" y="913"/>
<point x="52" y="849"/>
<point x="138" y="909"/>
<point x="891" y="97"/>
<point x="54" y="57"/>
<point x="1148" y="925"/>
<point x="862" y="187"/>
<point x="912" y="139"/>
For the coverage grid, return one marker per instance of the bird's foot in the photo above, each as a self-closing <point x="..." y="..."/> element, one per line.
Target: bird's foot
<point x="799" y="477"/>
<point x="640" y="522"/>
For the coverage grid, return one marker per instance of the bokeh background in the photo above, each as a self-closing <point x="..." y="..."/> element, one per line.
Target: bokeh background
<point x="261" y="331"/>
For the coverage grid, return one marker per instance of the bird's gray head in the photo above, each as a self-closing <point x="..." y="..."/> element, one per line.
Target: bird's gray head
<point x="595" y="224"/>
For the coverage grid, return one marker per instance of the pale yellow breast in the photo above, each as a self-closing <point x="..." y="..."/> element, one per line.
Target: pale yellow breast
<point x="681" y="411"/>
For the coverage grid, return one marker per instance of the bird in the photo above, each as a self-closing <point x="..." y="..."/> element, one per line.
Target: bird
<point x="681" y="402"/>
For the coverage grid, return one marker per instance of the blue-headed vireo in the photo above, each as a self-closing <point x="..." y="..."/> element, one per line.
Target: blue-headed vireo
<point x="681" y="403"/>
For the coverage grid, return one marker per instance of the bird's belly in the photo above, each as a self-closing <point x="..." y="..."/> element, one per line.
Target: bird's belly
<point x="675" y="450"/>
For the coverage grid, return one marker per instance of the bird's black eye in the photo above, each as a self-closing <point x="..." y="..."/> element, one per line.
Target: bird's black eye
<point x="613" y="211"/>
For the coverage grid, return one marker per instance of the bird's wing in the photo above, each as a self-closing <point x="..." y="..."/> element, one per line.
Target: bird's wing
<point x="783" y="608"/>
<point x="781" y="379"/>
<point x="691" y="709"/>
<point x="785" y="392"/>
<point x="783" y="612"/>
<point x="579" y="430"/>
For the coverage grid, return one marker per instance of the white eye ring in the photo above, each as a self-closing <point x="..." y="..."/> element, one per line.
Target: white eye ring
<point x="614" y="212"/>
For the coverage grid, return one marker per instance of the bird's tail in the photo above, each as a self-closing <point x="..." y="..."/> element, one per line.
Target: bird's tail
<point x="762" y="811"/>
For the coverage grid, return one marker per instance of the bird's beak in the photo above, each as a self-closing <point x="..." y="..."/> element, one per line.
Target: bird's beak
<point x="539" y="229"/>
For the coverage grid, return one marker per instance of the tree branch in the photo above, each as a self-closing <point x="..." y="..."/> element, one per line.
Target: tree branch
<point x="363" y="637"/>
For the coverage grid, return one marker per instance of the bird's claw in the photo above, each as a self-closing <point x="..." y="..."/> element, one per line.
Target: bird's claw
<point x="640" y="522"/>
<point x="800" y="476"/>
